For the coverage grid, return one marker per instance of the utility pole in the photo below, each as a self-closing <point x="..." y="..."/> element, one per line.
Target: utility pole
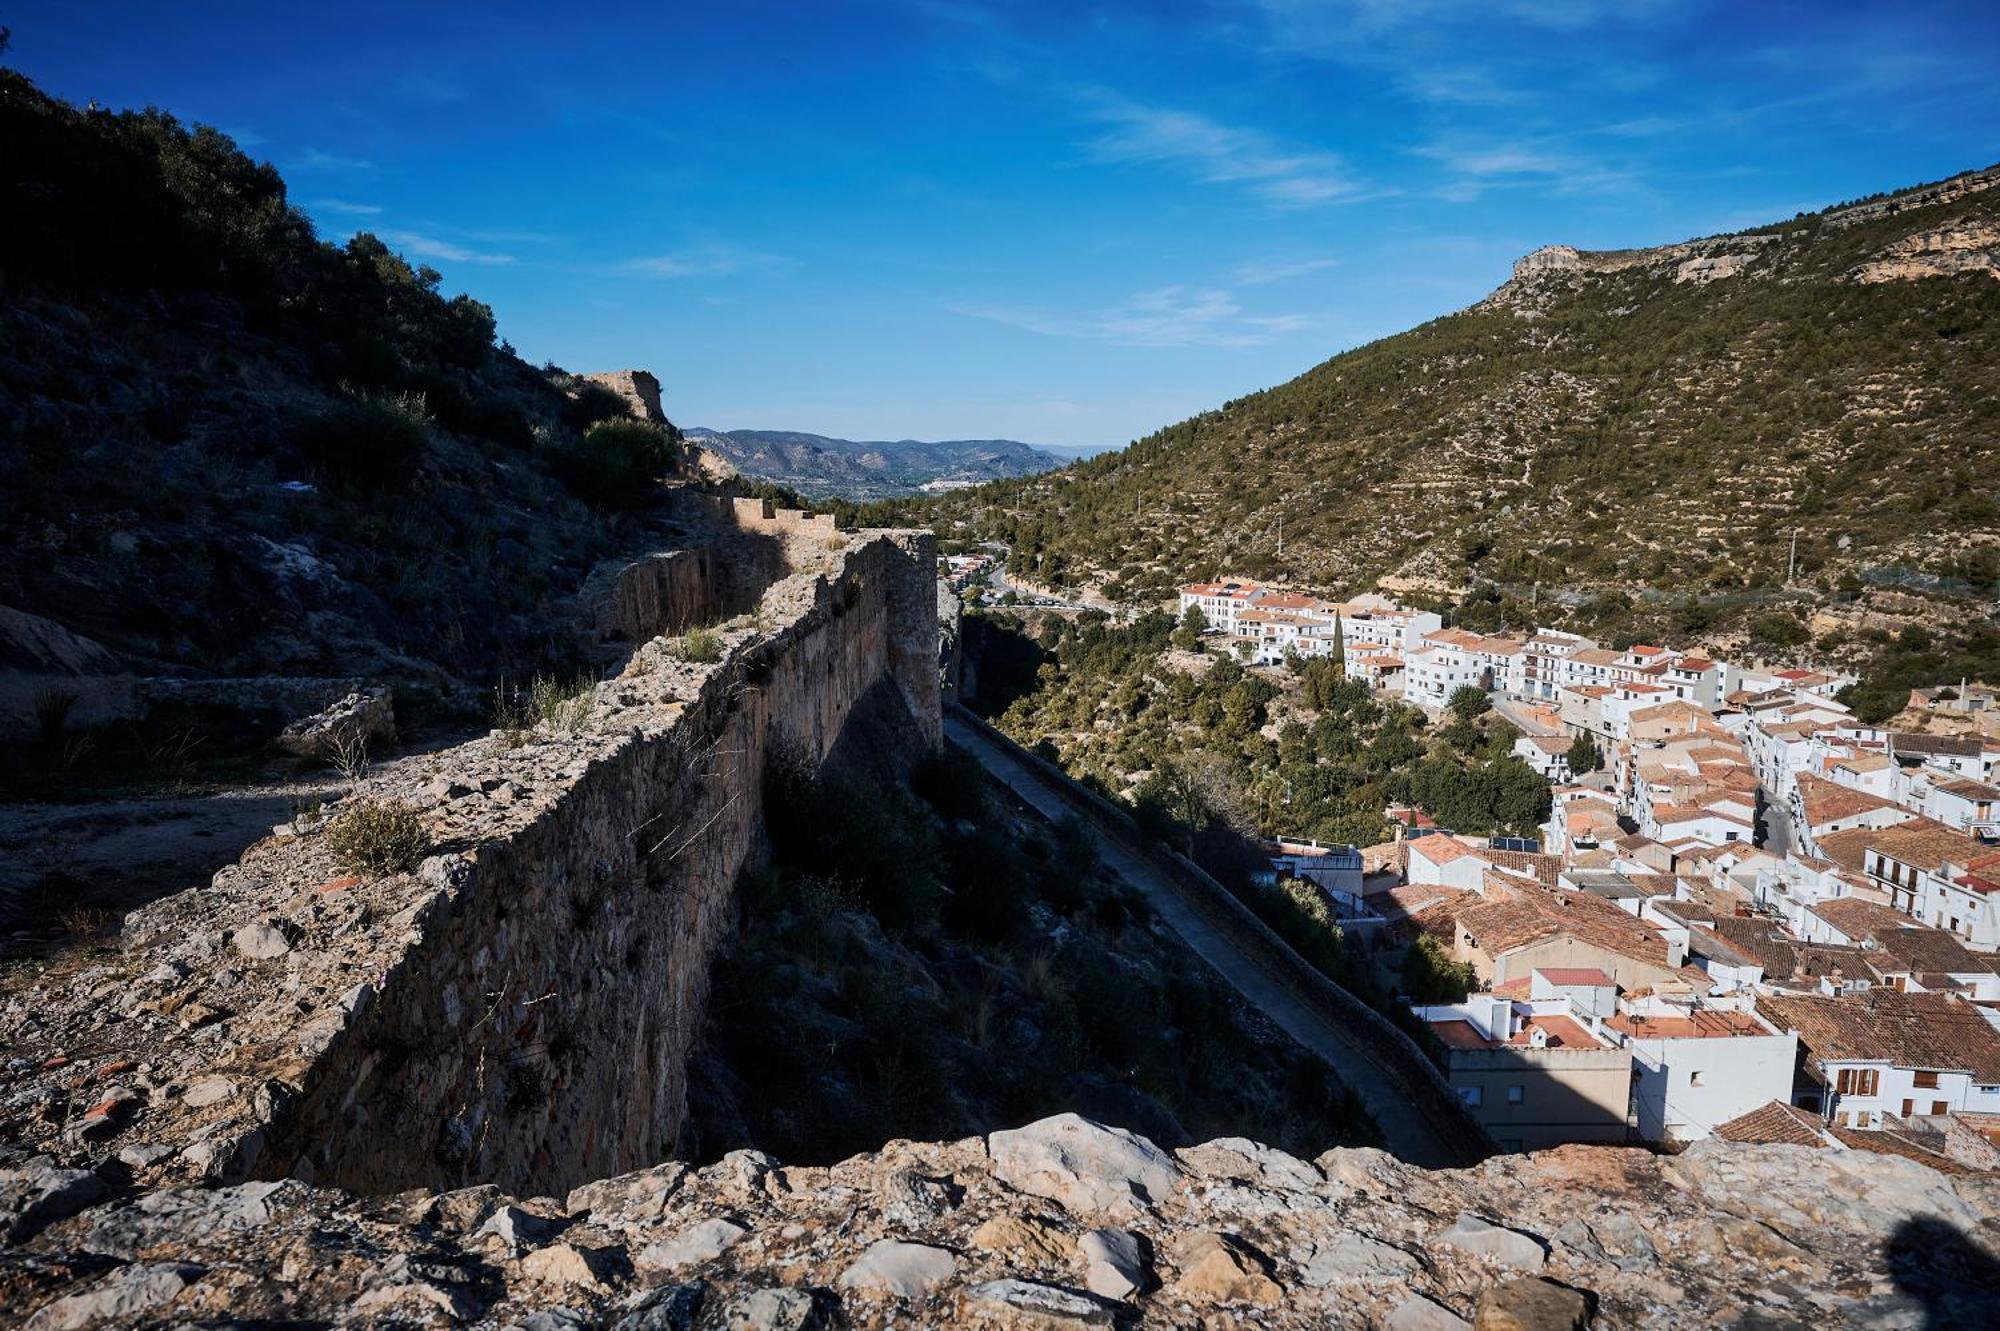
<point x="1281" y="536"/>
<point x="1792" y="564"/>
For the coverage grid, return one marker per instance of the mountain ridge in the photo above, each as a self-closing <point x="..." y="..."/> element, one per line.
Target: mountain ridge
<point x="1626" y="437"/>
<point x="827" y="466"/>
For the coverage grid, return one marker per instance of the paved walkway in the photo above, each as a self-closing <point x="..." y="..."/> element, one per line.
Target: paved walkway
<point x="1403" y="1131"/>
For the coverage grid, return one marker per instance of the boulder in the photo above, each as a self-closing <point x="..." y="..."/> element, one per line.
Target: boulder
<point x="1496" y="1243"/>
<point x="126" y="1297"/>
<point x="1417" y="1313"/>
<point x="1114" y="1263"/>
<point x="1084" y="1165"/>
<point x="1531" y="1304"/>
<point x="38" y="1192"/>
<point x="906" y="1270"/>
<point x="703" y="1241"/>
<point x="1215" y="1268"/>
<point x="1029" y="1306"/>
<point x="1357" y="1258"/>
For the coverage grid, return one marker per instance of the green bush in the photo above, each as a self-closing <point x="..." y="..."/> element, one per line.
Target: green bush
<point x="367" y="443"/>
<point x="378" y="837"/>
<point x="700" y="645"/>
<point x="616" y="464"/>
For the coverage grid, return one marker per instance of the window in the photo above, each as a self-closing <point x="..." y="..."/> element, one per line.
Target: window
<point x="1924" y="1081"/>
<point x="1940" y="1107"/>
<point x="1472" y="1095"/>
<point x="1908" y="1107"/>
<point x="1858" y="1081"/>
<point x="1515" y="1094"/>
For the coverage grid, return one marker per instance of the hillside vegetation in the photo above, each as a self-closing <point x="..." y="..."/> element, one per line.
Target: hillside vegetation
<point x="236" y="449"/>
<point x="1629" y="440"/>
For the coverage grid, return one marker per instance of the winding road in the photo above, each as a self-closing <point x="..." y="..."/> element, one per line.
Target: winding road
<point x="1409" y="1134"/>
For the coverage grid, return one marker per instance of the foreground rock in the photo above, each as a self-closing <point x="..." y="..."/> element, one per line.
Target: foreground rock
<point x="1216" y="1235"/>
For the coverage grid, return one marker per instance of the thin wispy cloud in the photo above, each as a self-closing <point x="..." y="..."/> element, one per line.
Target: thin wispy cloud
<point x="313" y="159"/>
<point x="432" y="247"/>
<point x="343" y="206"/>
<point x="1173" y="316"/>
<point x="1260" y="272"/>
<point x="702" y="261"/>
<point x="1218" y="154"/>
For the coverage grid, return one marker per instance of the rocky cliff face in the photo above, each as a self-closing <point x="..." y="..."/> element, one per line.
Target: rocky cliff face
<point x="1063" y="1223"/>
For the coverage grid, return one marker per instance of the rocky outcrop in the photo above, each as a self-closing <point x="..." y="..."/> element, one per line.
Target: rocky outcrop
<point x="945" y="1234"/>
<point x="1971" y="247"/>
<point x="520" y="1007"/>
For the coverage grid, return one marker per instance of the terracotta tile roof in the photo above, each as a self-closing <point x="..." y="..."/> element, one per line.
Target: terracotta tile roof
<point x="1776" y="1124"/>
<point x="1932" y="1031"/>
<point x="1544" y="868"/>
<point x="1827" y="801"/>
<point x="1439" y="849"/>
<point x="1966" y="788"/>
<point x="1956" y="746"/>
<point x="1886" y="1141"/>
<point x="1574" y="975"/>
<point x="1763" y="940"/>
<point x="1925" y="843"/>
<point x="1500" y="927"/>
<point x="1858" y="917"/>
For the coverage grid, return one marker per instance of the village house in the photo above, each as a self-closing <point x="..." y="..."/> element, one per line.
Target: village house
<point x="1543" y="657"/>
<point x="1697" y="1066"/>
<point x="1820" y="807"/>
<point x="1931" y="872"/>
<point x="1532" y="1074"/>
<point x="1885" y="1052"/>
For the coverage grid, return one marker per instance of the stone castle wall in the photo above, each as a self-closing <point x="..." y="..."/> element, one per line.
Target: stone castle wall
<point x="520" y="1009"/>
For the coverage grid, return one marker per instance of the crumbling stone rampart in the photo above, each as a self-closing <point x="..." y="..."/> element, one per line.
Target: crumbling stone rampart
<point x="519" y="1009"/>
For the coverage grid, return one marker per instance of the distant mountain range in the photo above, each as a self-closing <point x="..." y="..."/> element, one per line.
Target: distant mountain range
<point x="822" y="467"/>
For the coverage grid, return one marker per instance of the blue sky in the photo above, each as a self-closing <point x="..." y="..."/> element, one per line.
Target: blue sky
<point x="1068" y="223"/>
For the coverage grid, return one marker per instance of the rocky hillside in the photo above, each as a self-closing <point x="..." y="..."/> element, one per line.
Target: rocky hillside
<point x="821" y="467"/>
<point x="235" y="450"/>
<point x="1656" y="421"/>
<point x="1062" y="1223"/>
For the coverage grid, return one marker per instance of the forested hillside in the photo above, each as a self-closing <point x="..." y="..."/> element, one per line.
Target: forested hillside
<point x="1628" y="439"/>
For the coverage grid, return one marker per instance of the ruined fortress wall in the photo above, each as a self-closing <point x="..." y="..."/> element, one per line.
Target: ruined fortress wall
<point x="539" y="1033"/>
<point x="521" y="1008"/>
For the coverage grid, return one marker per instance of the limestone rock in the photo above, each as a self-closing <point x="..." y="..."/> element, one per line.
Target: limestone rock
<point x="1359" y="1258"/>
<point x="1029" y="1306"/>
<point x="1496" y="1243"/>
<point x="205" y="1091"/>
<point x="1020" y="1238"/>
<point x="565" y="1264"/>
<point x="126" y="1296"/>
<point x="703" y="1241"/>
<point x="37" y="1192"/>
<point x="775" y="1310"/>
<point x="1215" y="1268"/>
<point x="907" y="1270"/>
<point x="1084" y="1165"/>
<point x="1417" y="1313"/>
<point x="1531" y="1304"/>
<point x="1114" y="1263"/>
<point x="366" y="718"/>
<point x="264" y="940"/>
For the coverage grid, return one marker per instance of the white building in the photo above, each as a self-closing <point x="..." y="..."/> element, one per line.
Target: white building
<point x="1885" y="1052"/>
<point x="1696" y="1067"/>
